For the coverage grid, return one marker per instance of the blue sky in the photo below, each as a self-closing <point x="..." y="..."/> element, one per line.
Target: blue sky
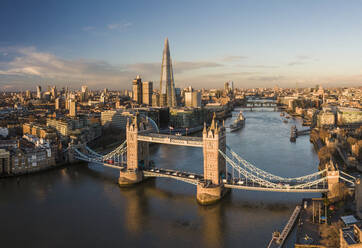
<point x="107" y="43"/>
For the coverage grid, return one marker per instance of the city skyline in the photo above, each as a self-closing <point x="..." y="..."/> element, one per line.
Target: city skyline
<point x="261" y="44"/>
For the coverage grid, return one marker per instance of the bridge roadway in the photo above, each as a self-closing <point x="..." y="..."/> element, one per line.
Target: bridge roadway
<point x="187" y="177"/>
<point x="194" y="179"/>
<point x="171" y="139"/>
<point x="319" y="188"/>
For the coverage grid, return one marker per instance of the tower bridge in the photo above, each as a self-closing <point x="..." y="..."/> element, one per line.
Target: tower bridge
<point x="223" y="169"/>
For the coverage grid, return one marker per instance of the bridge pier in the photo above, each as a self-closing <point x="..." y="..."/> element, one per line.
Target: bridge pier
<point x="207" y="195"/>
<point x="129" y="177"/>
<point x="137" y="155"/>
<point x="212" y="189"/>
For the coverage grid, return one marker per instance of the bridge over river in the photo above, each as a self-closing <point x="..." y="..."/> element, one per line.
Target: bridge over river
<point x="224" y="169"/>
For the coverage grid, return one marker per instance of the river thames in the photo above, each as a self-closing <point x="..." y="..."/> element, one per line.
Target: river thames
<point x="83" y="206"/>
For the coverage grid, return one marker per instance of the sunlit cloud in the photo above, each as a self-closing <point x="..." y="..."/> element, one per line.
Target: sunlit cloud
<point x="232" y="58"/>
<point x="293" y="63"/>
<point x="25" y="67"/>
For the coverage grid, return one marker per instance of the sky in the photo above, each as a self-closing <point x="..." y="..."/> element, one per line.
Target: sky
<point x="259" y="43"/>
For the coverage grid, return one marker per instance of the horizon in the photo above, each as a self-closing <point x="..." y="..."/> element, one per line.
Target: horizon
<point x="254" y="44"/>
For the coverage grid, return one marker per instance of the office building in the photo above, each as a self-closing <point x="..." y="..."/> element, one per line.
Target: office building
<point x="147" y="91"/>
<point x="72" y="108"/>
<point x="137" y="89"/>
<point x="38" y="92"/>
<point x="167" y="84"/>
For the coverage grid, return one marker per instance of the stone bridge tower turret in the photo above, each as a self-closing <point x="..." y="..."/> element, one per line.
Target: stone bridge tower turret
<point x="137" y="154"/>
<point x="214" y="139"/>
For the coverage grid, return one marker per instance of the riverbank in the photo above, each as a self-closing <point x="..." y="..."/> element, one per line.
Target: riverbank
<point x="319" y="222"/>
<point x="41" y="170"/>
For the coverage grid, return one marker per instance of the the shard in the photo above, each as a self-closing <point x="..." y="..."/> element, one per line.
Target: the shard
<point x="167" y="84"/>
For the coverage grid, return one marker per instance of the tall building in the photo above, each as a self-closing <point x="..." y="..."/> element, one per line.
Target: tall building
<point x="72" y="108"/>
<point x="53" y="92"/>
<point x="38" y="92"/>
<point x="155" y="100"/>
<point x="167" y="84"/>
<point x="58" y="103"/>
<point x="28" y="94"/>
<point x="193" y="99"/>
<point x="147" y="90"/>
<point x="137" y="89"/>
<point x="84" y="93"/>
<point x="196" y="99"/>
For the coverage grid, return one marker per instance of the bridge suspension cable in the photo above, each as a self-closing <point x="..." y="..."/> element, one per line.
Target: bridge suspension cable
<point x="259" y="172"/>
<point x="267" y="180"/>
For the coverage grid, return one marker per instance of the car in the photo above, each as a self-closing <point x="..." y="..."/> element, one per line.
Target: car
<point x="224" y="181"/>
<point x="157" y="170"/>
<point x="168" y="173"/>
<point x="240" y="182"/>
<point x="191" y="176"/>
<point x="174" y="174"/>
<point x="152" y="169"/>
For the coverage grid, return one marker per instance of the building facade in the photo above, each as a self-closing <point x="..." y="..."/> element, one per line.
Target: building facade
<point x="137" y="89"/>
<point x="147" y="91"/>
<point x="167" y="84"/>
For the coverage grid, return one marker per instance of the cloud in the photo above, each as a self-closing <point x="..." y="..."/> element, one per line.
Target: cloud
<point x="119" y="26"/>
<point x="302" y="60"/>
<point x="26" y="67"/>
<point x="233" y="58"/>
<point x="303" y="57"/>
<point x="29" y="66"/>
<point x="259" y="66"/>
<point x="178" y="66"/>
<point x="266" y="78"/>
<point x="293" y="63"/>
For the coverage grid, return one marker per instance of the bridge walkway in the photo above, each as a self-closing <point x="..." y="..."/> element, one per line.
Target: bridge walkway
<point x="171" y="139"/>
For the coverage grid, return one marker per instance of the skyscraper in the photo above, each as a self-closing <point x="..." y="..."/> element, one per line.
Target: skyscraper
<point x="38" y="92"/>
<point x="167" y="84"/>
<point x="72" y="108"/>
<point x="137" y="89"/>
<point x="147" y="90"/>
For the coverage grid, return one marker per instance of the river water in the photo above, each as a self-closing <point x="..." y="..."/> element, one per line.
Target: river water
<point x="82" y="206"/>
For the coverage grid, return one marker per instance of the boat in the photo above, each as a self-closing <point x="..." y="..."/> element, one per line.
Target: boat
<point x="293" y="133"/>
<point x="285" y="121"/>
<point x="238" y="122"/>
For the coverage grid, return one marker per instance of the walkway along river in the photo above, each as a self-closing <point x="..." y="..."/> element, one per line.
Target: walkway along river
<point x="83" y="205"/>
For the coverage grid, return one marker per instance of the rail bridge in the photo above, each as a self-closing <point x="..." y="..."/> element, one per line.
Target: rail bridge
<point x="223" y="168"/>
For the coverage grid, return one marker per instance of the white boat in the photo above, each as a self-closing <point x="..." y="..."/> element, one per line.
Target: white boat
<point x="238" y="122"/>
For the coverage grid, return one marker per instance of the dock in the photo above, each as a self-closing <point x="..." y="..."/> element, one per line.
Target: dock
<point x="278" y="240"/>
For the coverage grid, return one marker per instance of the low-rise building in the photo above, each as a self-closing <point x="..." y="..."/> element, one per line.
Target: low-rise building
<point x="115" y="118"/>
<point x="186" y="118"/>
<point x="26" y="157"/>
<point x="349" y="116"/>
<point x="326" y="118"/>
<point x="350" y="237"/>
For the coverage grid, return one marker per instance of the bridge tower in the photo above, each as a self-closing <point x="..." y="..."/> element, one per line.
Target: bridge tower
<point x="137" y="154"/>
<point x="335" y="188"/>
<point x="214" y="139"/>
